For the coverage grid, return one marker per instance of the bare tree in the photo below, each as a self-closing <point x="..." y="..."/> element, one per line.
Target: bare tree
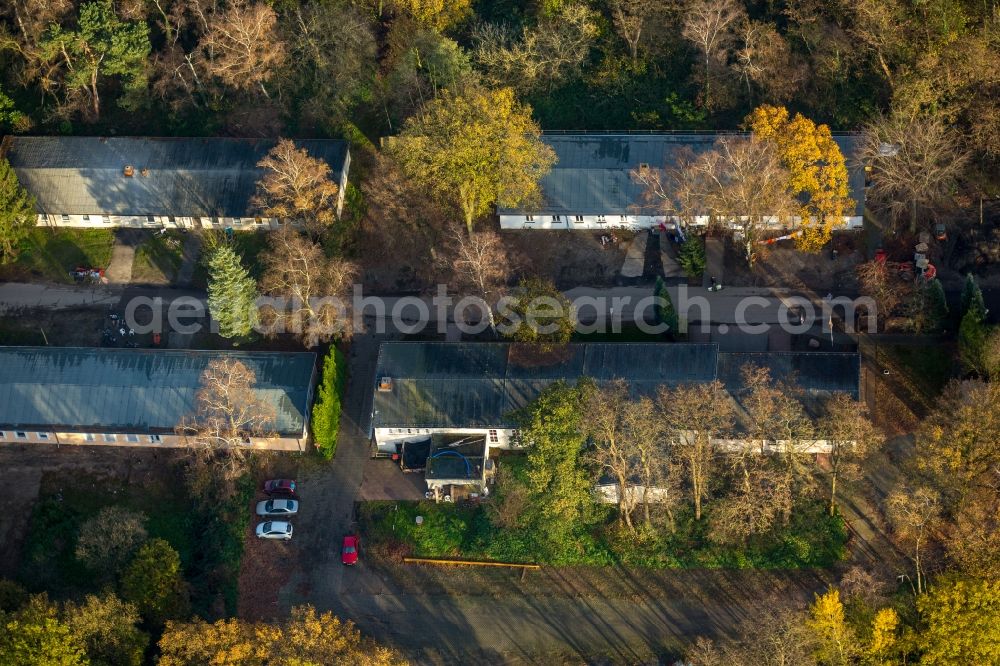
<point x="631" y="18"/>
<point x="882" y="286"/>
<point x="852" y="438"/>
<point x="756" y="499"/>
<point x="241" y="47"/>
<point x="778" y="422"/>
<point x="659" y="473"/>
<point x="913" y="514"/>
<point x="629" y="448"/>
<point x="770" y="639"/>
<point x="739" y="182"/>
<point x="315" y="289"/>
<point x="482" y="266"/>
<point x="541" y="57"/>
<point x="296" y="186"/>
<point x="615" y="453"/>
<point x="765" y="60"/>
<point x="335" y="52"/>
<point x="915" y="163"/>
<point x="694" y="416"/>
<point x="710" y="25"/>
<point x="228" y="415"/>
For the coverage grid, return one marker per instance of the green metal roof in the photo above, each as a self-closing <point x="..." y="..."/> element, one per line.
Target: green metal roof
<point x="456" y="385"/>
<point x="592" y="174"/>
<point x="475" y="385"/>
<point x="188" y="177"/>
<point x="813" y="372"/>
<point x="137" y="389"/>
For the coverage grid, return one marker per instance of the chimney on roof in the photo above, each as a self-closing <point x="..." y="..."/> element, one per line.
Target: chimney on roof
<point x="385" y="384"/>
<point x="145" y="171"/>
<point x="129" y="170"/>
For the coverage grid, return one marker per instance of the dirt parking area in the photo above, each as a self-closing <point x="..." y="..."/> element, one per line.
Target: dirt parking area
<point x="70" y="327"/>
<point x="384" y="480"/>
<point x="781" y="265"/>
<point x="571" y="258"/>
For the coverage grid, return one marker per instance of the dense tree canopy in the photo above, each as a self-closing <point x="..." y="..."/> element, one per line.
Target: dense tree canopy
<point x="475" y="150"/>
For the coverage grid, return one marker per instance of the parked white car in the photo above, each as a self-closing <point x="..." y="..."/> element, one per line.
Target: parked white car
<point x="278" y="507"/>
<point x="275" y="529"/>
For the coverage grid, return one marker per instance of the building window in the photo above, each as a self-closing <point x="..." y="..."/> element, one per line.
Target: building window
<point x="215" y="220"/>
<point x="171" y="219"/>
<point x="529" y="218"/>
<point x="106" y="219"/>
<point x="600" y="219"/>
<point x="258" y="220"/>
<point x="21" y="435"/>
<point x="42" y="435"/>
<point x="154" y="439"/>
<point x="132" y="438"/>
<point x="494" y="437"/>
<point x="624" y="218"/>
<point x="65" y="218"/>
<point x="557" y="218"/>
<point x="578" y="219"/>
<point x="86" y="218"/>
<point x="150" y="218"/>
<point x="89" y="437"/>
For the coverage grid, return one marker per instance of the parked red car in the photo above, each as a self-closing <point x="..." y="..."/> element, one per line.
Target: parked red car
<point x="349" y="551"/>
<point x="280" y="487"/>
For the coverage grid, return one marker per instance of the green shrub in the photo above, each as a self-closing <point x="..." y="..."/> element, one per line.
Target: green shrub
<point x="692" y="256"/>
<point x="326" y="409"/>
<point x="155" y="584"/>
<point x="813" y="538"/>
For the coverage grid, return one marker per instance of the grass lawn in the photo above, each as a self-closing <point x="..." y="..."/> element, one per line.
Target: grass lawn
<point x="15" y="335"/>
<point x="248" y="244"/>
<point x="51" y="253"/>
<point x="208" y="540"/>
<point x="159" y="258"/>
<point x="927" y="369"/>
<point x="630" y="333"/>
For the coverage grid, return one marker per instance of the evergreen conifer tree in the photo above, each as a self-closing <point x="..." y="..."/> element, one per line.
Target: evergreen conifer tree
<point x="17" y="212"/>
<point x="231" y="294"/>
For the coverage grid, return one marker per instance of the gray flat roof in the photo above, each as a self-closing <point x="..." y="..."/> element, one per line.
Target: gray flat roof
<point x="592" y="174"/>
<point x="137" y="389"/>
<point x="468" y="385"/>
<point x="187" y="177"/>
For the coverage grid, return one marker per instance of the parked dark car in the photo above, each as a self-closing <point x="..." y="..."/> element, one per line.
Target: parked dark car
<point x="280" y="487"/>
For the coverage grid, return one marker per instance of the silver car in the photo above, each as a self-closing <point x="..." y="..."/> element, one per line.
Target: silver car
<point x="275" y="529"/>
<point x="278" y="507"/>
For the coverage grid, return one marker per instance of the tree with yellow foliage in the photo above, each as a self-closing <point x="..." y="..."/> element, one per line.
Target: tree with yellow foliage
<point x="437" y="14"/>
<point x="475" y="150"/>
<point x="961" y="623"/>
<point x="816" y="167"/>
<point x="836" y="644"/>
<point x="884" y="640"/>
<point x="308" y="638"/>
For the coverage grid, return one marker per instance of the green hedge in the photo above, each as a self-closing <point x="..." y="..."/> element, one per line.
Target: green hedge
<point x="326" y="410"/>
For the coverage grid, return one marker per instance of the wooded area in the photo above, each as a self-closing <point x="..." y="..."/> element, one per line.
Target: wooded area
<point x="361" y="68"/>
